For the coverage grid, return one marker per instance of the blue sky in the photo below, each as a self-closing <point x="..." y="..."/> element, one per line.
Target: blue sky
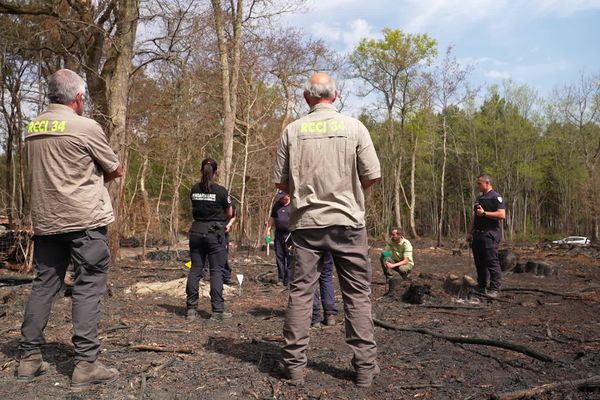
<point x="542" y="43"/>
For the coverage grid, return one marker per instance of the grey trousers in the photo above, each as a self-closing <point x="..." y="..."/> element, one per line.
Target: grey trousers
<point x="89" y="252"/>
<point x="349" y="249"/>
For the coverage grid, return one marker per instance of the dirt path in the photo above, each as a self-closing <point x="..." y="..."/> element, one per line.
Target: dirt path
<point x="237" y="358"/>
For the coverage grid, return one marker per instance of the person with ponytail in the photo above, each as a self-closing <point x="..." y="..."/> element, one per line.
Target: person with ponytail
<point x="211" y="205"/>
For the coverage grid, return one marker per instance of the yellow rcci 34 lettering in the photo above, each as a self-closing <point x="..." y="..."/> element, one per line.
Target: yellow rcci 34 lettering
<point x="45" y="126"/>
<point x="321" y="126"/>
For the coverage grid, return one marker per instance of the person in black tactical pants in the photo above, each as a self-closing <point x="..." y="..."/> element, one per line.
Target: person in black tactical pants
<point x="485" y="234"/>
<point x="227" y="272"/>
<point x="211" y="205"/>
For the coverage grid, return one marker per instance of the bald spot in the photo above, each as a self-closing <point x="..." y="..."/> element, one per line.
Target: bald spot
<point x="320" y="78"/>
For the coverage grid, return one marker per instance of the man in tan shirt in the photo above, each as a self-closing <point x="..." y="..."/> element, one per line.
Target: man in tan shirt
<point x="69" y="160"/>
<point x="325" y="161"/>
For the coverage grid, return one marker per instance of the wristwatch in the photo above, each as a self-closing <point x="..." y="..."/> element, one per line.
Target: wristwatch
<point x="483" y="215"/>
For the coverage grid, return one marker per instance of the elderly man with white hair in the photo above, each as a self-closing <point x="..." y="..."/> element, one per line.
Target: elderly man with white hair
<point x="69" y="162"/>
<point x="325" y="161"/>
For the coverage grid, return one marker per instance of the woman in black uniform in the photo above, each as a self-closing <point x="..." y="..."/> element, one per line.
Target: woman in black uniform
<point x="211" y="205"/>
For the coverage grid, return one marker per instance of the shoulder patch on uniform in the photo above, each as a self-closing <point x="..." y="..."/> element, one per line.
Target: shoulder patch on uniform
<point x="499" y="199"/>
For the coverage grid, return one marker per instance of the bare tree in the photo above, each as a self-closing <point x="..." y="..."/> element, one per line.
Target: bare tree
<point x="449" y="91"/>
<point x="580" y="106"/>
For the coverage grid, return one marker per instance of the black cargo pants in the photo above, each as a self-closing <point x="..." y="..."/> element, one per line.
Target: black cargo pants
<point x="204" y="245"/>
<point x="485" y="253"/>
<point x="89" y="252"/>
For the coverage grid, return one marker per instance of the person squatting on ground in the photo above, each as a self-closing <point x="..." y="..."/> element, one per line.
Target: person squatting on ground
<point x="326" y="160"/>
<point x="324" y="294"/>
<point x="69" y="161"/>
<point x="211" y="205"/>
<point x="280" y="217"/>
<point x="485" y="234"/>
<point x="227" y="271"/>
<point x="398" y="255"/>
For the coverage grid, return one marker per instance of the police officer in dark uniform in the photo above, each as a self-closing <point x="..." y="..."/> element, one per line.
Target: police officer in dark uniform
<point x="280" y="217"/>
<point x="485" y="234"/>
<point x="211" y="205"/>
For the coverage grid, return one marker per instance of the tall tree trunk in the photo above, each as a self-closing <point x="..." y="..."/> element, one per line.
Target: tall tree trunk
<point x="145" y="204"/>
<point x="442" y="178"/>
<point x="174" y="215"/>
<point x="413" y="194"/>
<point x="229" y="78"/>
<point x="116" y="73"/>
<point x="397" y="182"/>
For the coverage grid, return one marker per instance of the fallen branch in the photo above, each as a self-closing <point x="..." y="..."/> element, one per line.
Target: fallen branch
<point x="552" y="292"/>
<point x="153" y="268"/>
<point x="120" y="325"/>
<point x="579" y="383"/>
<point x="469" y="340"/>
<point x="2" y="332"/>
<point x="458" y="314"/>
<point x="162" y="349"/>
<point x="487" y="296"/>
<point x="147" y="375"/>
<point x="15" y="280"/>
<point x="259" y="278"/>
<point x="417" y="386"/>
<point x="452" y="307"/>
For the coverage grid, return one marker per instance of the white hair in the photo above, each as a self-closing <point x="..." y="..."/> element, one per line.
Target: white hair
<point x="64" y="85"/>
<point x="320" y="90"/>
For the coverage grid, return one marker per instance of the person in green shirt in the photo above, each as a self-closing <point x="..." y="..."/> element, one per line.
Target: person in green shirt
<point x="398" y="255"/>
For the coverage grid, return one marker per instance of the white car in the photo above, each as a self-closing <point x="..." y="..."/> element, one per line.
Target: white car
<point x="578" y="240"/>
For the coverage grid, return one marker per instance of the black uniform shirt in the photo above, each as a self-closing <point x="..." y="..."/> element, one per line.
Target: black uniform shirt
<point x="490" y="201"/>
<point x="209" y="206"/>
<point x="281" y="216"/>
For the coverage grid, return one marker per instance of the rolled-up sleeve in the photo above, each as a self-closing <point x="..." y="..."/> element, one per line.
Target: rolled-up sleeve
<point x="100" y="150"/>
<point x="367" y="161"/>
<point x="281" y="165"/>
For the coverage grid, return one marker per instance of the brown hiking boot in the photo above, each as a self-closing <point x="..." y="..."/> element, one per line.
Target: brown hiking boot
<point x="88" y="373"/>
<point x="31" y="366"/>
<point x="364" y="378"/>
<point x="330" y="320"/>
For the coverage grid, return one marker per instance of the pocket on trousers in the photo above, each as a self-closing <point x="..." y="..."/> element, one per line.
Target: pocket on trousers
<point x="91" y="251"/>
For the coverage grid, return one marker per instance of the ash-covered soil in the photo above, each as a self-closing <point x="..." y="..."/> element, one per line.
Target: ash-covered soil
<point x="237" y="358"/>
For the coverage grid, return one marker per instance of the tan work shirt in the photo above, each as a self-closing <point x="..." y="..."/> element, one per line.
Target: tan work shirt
<point x="400" y="250"/>
<point x="68" y="156"/>
<point x="323" y="156"/>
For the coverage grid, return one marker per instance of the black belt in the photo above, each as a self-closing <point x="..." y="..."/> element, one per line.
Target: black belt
<point x="205" y="227"/>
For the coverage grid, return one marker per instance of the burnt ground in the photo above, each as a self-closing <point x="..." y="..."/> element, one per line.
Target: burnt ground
<point x="237" y="358"/>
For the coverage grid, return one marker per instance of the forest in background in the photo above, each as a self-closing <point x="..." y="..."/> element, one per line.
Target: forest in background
<point x="175" y="81"/>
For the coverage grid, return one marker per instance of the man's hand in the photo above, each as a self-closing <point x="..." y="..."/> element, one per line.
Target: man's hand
<point x="479" y="211"/>
<point x="227" y="228"/>
<point x="117" y="173"/>
<point x="469" y="237"/>
<point x="390" y="265"/>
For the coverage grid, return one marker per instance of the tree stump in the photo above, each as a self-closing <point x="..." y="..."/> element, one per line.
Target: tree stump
<point x="415" y="294"/>
<point x="538" y="268"/>
<point x="459" y="286"/>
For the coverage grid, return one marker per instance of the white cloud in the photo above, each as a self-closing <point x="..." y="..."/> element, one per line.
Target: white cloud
<point x="494" y="74"/>
<point x="348" y="36"/>
<point x="326" y="32"/>
<point x="359" y="29"/>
